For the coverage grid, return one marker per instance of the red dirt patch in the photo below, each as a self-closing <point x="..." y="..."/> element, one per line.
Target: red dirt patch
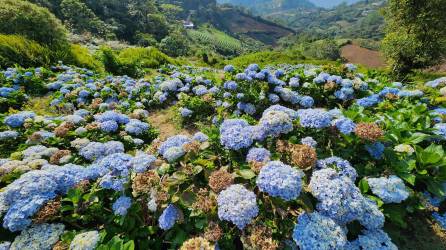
<point x="358" y="55"/>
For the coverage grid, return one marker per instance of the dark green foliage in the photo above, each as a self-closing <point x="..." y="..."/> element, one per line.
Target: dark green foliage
<point x="176" y="44"/>
<point x="323" y="50"/>
<point x="416" y="37"/>
<point x="80" y="18"/>
<point x="33" y="22"/>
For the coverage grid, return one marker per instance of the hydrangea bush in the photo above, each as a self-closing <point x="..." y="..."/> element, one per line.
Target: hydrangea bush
<point x="280" y="157"/>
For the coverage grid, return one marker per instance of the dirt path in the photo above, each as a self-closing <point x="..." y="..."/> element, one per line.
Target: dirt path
<point x="358" y="55"/>
<point x="164" y="121"/>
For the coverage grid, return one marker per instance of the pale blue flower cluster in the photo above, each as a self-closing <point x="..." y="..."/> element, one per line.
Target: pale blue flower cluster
<point x="85" y="241"/>
<point x="8" y="135"/>
<point x="345" y="125"/>
<point x="185" y="112"/>
<point x="96" y="150"/>
<point x="17" y="120"/>
<point x="235" y="134"/>
<point x="372" y="240"/>
<point x="390" y="189"/>
<point x="314" y="118"/>
<point x="342" y="201"/>
<point x="258" y="155"/>
<point x="315" y="231"/>
<point x="309" y="141"/>
<point x="276" y="123"/>
<point x="39" y="236"/>
<point x="200" y="136"/>
<point x="169" y="217"/>
<point x="343" y="167"/>
<point x="237" y="205"/>
<point x="115" y="170"/>
<point x="112" y="116"/>
<point x="23" y="198"/>
<point x="172" y="148"/>
<point x="109" y="126"/>
<point x="136" y="127"/>
<point x="121" y="205"/>
<point x="142" y="161"/>
<point x="280" y="180"/>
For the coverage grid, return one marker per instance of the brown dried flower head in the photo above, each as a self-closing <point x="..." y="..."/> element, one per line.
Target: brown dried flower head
<point x="197" y="243"/>
<point x="47" y="212"/>
<point x="256" y="166"/>
<point x="55" y="158"/>
<point x="204" y="201"/>
<point x="220" y="179"/>
<point x="192" y="147"/>
<point x="330" y="85"/>
<point x="35" y="137"/>
<point x="92" y="126"/>
<point x="95" y="103"/>
<point x="303" y="156"/>
<point x="392" y="97"/>
<point x="213" y="232"/>
<point x="83" y="185"/>
<point x="260" y="238"/>
<point x="368" y="131"/>
<point x="60" y="245"/>
<point x="144" y="182"/>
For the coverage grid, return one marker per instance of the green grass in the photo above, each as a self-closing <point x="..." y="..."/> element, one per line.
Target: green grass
<point x="274" y="57"/>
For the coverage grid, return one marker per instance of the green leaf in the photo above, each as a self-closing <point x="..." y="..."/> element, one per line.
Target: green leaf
<point x="247" y="174"/>
<point x="410" y="178"/>
<point x="130" y="245"/>
<point x="416" y="138"/>
<point x="364" y="185"/>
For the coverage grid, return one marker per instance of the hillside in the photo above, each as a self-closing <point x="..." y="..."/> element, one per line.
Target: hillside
<point x="360" y="20"/>
<point x="262" y="7"/>
<point x="332" y="3"/>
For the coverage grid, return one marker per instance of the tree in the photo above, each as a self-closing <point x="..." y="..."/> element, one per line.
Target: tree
<point x="415" y="34"/>
<point x="33" y="22"/>
<point x="81" y="19"/>
<point x="175" y="44"/>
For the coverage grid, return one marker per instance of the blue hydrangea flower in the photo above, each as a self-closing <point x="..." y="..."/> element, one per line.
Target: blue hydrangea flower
<point x="235" y="134"/>
<point x="201" y="137"/>
<point x="316" y="231"/>
<point x="185" y="112"/>
<point x="390" y="189"/>
<point x="228" y="68"/>
<point x="121" y="205"/>
<point x="230" y="85"/>
<point x="376" y="150"/>
<point x="109" y="126"/>
<point x="309" y="141"/>
<point x="280" y="180"/>
<point x="174" y="153"/>
<point x="273" y="98"/>
<point x="17" y="120"/>
<point x="345" y="125"/>
<point x="373" y="240"/>
<point x="343" y="167"/>
<point x="306" y="101"/>
<point x="314" y="118"/>
<point x="440" y="219"/>
<point x="290" y="112"/>
<point x="369" y="101"/>
<point x="136" y="127"/>
<point x="8" y="135"/>
<point x="39" y="236"/>
<point x="276" y="123"/>
<point x="85" y="241"/>
<point x="294" y="82"/>
<point x="258" y="155"/>
<point x="93" y="151"/>
<point x="341" y="200"/>
<point x="142" y="161"/>
<point x="174" y="141"/>
<point x="440" y="129"/>
<point x="237" y="205"/>
<point x="169" y="217"/>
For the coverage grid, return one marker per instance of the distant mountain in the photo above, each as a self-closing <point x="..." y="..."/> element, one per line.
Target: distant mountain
<point x="360" y="20"/>
<point x="269" y="6"/>
<point x="332" y="3"/>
